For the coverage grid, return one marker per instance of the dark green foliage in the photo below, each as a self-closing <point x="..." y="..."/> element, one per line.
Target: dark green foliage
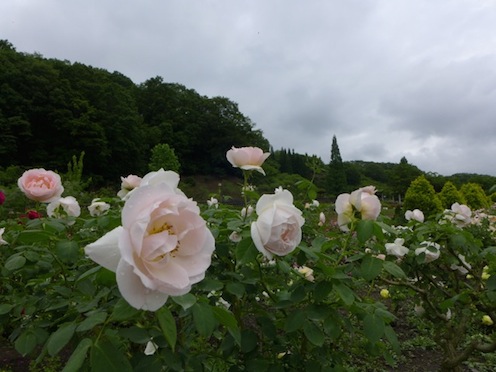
<point x="52" y="109"/>
<point x="336" y="173"/>
<point x="449" y="194"/>
<point x="421" y="195"/>
<point x="401" y="177"/>
<point x="474" y="195"/>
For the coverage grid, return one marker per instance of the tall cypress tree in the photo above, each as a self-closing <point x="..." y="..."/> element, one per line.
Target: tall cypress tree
<point x="336" y="174"/>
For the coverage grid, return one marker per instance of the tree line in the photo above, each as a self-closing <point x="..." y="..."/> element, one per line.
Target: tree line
<point x="52" y="110"/>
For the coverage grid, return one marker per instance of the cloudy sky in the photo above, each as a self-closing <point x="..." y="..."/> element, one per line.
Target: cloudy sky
<point x="389" y="78"/>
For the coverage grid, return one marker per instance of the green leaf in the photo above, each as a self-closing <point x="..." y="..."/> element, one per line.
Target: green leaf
<point x="60" y="338"/>
<point x="92" y="321"/>
<point x="185" y="301"/>
<point x="394" y="270"/>
<point x="373" y="327"/>
<point x="365" y="230"/>
<point x="168" y="326"/>
<point x="123" y="311"/>
<point x="78" y="356"/>
<point x="294" y="321"/>
<point x="392" y="338"/>
<point x="236" y="289"/>
<point x="227" y="319"/>
<point x="249" y="341"/>
<point x="209" y="285"/>
<point x="25" y="343"/>
<point x="33" y="236"/>
<point x="5" y="308"/>
<point x="345" y="293"/>
<point x="204" y="319"/>
<point x="322" y="290"/>
<point x="67" y="251"/>
<point x="105" y="357"/>
<point x="371" y="267"/>
<point x="245" y="252"/>
<point x="15" y="262"/>
<point x="313" y="333"/>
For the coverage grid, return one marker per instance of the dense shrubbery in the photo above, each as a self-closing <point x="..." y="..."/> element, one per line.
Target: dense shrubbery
<point x="272" y="299"/>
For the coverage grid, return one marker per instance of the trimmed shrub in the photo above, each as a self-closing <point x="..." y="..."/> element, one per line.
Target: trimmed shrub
<point x="449" y="194"/>
<point x="421" y="195"/>
<point x="475" y="196"/>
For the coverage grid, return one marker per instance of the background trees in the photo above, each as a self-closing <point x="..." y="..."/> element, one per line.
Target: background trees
<point x="51" y="110"/>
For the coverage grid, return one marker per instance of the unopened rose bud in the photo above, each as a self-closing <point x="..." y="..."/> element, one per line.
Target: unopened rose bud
<point x="385" y="293"/>
<point x="486" y="320"/>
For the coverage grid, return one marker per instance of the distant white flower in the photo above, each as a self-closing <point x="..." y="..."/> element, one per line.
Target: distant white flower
<point x="61" y="207"/>
<point x="322" y="219"/>
<point x="246" y="212"/>
<point x="213" y="202"/>
<point x="128" y="184"/>
<point x="430" y="254"/>
<point x="278" y="189"/>
<point x="397" y="249"/>
<point x="461" y="268"/>
<point x="222" y="303"/>
<point x="151" y="348"/>
<point x="235" y="237"/>
<point x="415" y="215"/>
<point x="2" y="230"/>
<point x="306" y="272"/>
<point x="98" y="207"/>
<point x="462" y="214"/>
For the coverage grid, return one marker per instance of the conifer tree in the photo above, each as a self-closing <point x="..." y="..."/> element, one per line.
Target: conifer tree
<point x="336" y="173"/>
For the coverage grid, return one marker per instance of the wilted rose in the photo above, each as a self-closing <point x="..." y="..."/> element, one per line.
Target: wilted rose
<point x="162" y="248"/>
<point x="41" y="185"/>
<point x="247" y="158"/>
<point x="278" y="226"/>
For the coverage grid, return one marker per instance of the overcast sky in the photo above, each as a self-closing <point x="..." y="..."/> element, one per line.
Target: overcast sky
<point x="389" y="78"/>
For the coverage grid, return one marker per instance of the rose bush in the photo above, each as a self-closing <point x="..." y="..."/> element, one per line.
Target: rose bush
<point x="275" y="287"/>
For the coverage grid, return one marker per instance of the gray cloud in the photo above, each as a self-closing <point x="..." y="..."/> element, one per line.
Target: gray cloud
<point x="388" y="78"/>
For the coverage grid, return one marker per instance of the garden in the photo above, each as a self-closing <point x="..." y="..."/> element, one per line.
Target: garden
<point x="144" y="277"/>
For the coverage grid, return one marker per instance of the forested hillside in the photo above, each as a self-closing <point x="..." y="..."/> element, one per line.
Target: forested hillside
<point x="52" y="110"/>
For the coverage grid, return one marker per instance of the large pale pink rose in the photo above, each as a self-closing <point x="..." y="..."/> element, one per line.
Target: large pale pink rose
<point x="277" y="229"/>
<point x="41" y="185"/>
<point x="162" y="248"/>
<point x="247" y="158"/>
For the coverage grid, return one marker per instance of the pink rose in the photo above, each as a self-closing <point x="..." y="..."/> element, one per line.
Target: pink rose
<point x="2" y="197"/>
<point x="162" y="248"/>
<point x="41" y="185"/>
<point x="278" y="226"/>
<point x="247" y="158"/>
<point x="128" y="184"/>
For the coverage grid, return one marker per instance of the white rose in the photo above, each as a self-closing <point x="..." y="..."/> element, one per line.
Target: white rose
<point x="64" y="206"/>
<point x="278" y="227"/>
<point x="397" y="249"/>
<point x="98" y="207"/>
<point x="162" y="247"/>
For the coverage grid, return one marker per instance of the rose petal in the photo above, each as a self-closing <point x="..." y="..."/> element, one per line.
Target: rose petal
<point x="105" y="251"/>
<point x="134" y="292"/>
